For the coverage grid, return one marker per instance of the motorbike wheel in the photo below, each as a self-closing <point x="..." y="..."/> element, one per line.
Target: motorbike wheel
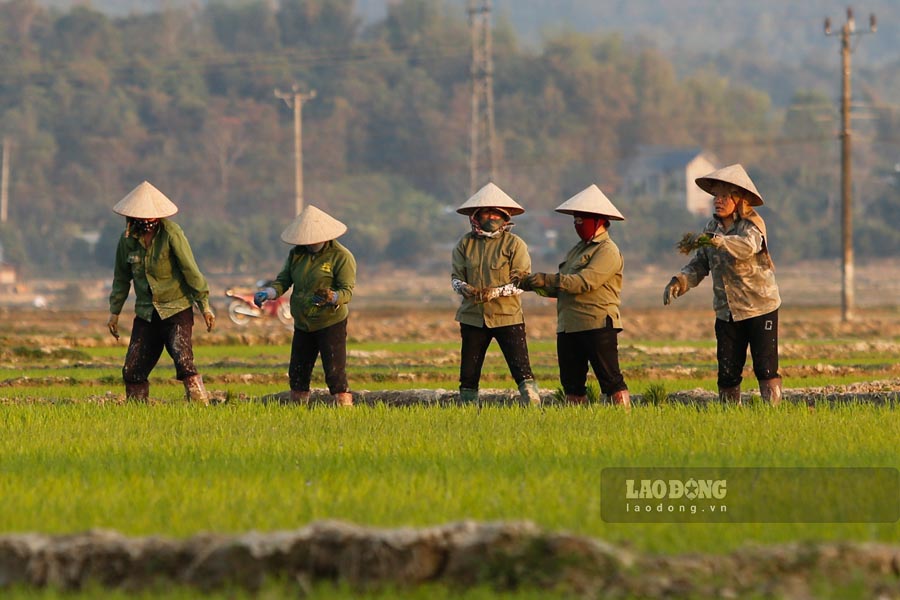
<point x="284" y="314"/>
<point x="236" y="317"/>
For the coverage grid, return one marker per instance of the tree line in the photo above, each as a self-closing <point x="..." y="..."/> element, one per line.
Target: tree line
<point x="184" y="98"/>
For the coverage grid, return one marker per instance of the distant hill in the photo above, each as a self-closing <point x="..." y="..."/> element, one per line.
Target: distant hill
<point x="786" y="31"/>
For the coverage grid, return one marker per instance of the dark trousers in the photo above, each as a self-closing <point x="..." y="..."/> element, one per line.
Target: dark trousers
<point x="306" y="346"/>
<point x="597" y="347"/>
<point x="475" y="342"/>
<point x="148" y="341"/>
<point x="732" y="339"/>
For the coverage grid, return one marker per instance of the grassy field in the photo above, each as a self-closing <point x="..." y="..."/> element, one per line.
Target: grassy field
<point x="74" y="457"/>
<point x="178" y="469"/>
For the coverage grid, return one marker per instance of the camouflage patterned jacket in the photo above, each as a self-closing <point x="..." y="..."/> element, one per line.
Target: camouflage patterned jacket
<point x="743" y="278"/>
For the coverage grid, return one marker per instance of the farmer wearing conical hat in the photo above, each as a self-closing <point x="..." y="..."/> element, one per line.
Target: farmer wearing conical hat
<point x="154" y="255"/>
<point x="745" y="296"/>
<point x="323" y="275"/>
<point x="587" y="289"/>
<point x="481" y="268"/>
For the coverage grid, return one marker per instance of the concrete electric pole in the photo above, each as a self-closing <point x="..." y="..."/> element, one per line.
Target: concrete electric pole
<point x="481" y="135"/>
<point x="848" y="30"/>
<point x="295" y="99"/>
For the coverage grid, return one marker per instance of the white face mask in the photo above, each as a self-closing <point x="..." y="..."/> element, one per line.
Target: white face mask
<point x="314" y="248"/>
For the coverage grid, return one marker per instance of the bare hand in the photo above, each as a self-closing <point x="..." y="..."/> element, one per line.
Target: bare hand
<point x="113" y="325"/>
<point x="674" y="289"/>
<point x="210" y="319"/>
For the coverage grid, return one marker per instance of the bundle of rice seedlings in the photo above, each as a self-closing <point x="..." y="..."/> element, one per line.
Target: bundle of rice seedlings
<point x="691" y="241"/>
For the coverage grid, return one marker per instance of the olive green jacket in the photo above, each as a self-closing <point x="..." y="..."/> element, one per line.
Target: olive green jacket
<point x="165" y="275"/>
<point x="486" y="262"/>
<point x="590" y="282"/>
<point x="332" y="268"/>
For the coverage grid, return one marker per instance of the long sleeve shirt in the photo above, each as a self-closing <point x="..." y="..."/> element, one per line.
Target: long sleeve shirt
<point x="742" y="275"/>
<point x="590" y="283"/>
<point x="484" y="262"/>
<point x="164" y="273"/>
<point x="331" y="268"/>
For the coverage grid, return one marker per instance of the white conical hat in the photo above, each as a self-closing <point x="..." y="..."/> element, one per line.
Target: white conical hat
<point x="734" y="175"/>
<point x="312" y="226"/>
<point x="145" y="202"/>
<point x="590" y="200"/>
<point x="490" y="196"/>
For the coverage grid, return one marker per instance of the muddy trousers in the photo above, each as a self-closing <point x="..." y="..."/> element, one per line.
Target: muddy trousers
<point x="598" y="348"/>
<point x="148" y="340"/>
<point x="475" y="342"/>
<point x="732" y="339"/>
<point x="331" y="343"/>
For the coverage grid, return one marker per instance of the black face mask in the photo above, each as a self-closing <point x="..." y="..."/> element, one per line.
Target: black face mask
<point x="142" y="226"/>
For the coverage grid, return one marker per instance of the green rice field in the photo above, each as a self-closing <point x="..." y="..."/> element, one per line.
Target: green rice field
<point x="74" y="456"/>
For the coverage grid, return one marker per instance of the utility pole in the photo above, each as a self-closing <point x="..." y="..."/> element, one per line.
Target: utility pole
<point x="847" y="30"/>
<point x="4" y="181"/>
<point x="481" y="135"/>
<point x="295" y="99"/>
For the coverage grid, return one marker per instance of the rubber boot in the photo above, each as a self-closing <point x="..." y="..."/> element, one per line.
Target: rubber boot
<point x="194" y="390"/>
<point x="730" y="394"/>
<point x="298" y="397"/>
<point x="529" y="392"/>
<point x="622" y="398"/>
<point x="468" y="396"/>
<point x="770" y="390"/>
<point x="573" y="399"/>
<point x="343" y="399"/>
<point x="138" y="392"/>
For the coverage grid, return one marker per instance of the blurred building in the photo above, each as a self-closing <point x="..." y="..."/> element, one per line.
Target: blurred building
<point x="666" y="172"/>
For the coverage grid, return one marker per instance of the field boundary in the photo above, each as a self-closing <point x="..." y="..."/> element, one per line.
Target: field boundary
<point x="505" y="555"/>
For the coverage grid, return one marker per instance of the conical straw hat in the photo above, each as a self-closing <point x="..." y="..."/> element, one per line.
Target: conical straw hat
<point x="145" y="202"/>
<point x="312" y="226"/>
<point x="490" y="196"/>
<point x="590" y="200"/>
<point x="734" y="175"/>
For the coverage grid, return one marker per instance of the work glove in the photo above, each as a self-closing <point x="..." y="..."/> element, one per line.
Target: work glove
<point x="517" y="277"/>
<point x="324" y="297"/>
<point x="113" y="325"/>
<point x="260" y="297"/>
<point x="463" y="289"/>
<point x="489" y="293"/>
<point x="676" y="287"/>
<point x="210" y="319"/>
<point x="541" y="281"/>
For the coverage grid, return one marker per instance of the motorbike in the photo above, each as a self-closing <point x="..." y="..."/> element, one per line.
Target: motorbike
<point x="241" y="309"/>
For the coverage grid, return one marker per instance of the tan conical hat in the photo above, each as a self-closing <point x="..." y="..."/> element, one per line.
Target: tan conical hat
<point x="490" y="196"/>
<point x="590" y="200"/>
<point x="145" y="202"/>
<point x="313" y="226"/>
<point x="734" y="175"/>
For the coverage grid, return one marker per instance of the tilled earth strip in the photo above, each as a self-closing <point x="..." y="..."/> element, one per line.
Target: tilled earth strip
<point x="505" y="555"/>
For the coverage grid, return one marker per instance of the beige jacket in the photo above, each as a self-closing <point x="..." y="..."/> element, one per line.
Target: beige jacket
<point x="590" y="282"/>
<point x="486" y="262"/>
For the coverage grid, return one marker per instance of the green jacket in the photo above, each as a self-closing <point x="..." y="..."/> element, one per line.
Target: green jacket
<point x="486" y="262"/>
<point x="590" y="282"/>
<point x="165" y="275"/>
<point x="333" y="268"/>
